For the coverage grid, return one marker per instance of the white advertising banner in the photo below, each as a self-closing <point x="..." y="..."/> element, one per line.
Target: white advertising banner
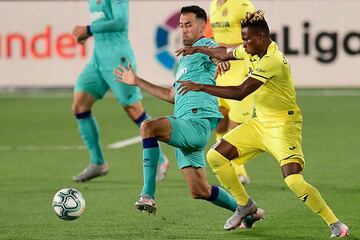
<point x="320" y="38"/>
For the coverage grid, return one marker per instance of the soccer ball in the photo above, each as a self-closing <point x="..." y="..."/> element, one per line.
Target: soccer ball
<point x="68" y="204"/>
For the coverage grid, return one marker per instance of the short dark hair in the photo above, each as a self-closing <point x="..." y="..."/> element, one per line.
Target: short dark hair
<point x="256" y="20"/>
<point x="198" y="11"/>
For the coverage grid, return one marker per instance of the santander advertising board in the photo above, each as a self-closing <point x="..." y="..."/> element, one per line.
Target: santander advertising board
<point x="45" y="44"/>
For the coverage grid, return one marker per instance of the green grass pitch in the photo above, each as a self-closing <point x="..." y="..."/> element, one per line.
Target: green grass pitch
<point x="39" y="154"/>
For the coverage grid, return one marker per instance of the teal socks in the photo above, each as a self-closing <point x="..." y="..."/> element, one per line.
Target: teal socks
<point x="222" y="198"/>
<point x="151" y="155"/>
<point x="90" y="134"/>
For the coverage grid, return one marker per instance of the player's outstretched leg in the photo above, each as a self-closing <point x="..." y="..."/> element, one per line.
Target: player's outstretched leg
<point x="312" y="198"/>
<point x="163" y="163"/>
<point x="90" y="134"/>
<point x="225" y="173"/>
<point x="150" y="131"/>
<point x="151" y="154"/>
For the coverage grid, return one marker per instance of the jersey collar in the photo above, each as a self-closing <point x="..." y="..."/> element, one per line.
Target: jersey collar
<point x="197" y="40"/>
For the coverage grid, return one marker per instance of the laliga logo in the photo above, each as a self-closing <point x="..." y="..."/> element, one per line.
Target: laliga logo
<point x="167" y="40"/>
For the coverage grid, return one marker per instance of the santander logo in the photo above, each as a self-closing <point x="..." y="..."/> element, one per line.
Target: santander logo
<point x="43" y="45"/>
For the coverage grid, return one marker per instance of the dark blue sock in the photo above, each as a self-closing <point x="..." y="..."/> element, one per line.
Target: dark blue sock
<point x="141" y="118"/>
<point x="222" y="198"/>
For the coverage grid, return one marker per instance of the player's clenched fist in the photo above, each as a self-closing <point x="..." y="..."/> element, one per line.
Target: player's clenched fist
<point x="81" y="34"/>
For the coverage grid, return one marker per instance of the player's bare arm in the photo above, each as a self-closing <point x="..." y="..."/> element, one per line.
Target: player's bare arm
<point x="230" y="92"/>
<point x="128" y="76"/>
<point x="220" y="53"/>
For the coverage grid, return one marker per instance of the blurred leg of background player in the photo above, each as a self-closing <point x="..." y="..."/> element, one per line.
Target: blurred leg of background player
<point x="92" y="86"/>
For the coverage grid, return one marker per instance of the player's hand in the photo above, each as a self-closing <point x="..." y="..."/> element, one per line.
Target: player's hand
<point x="125" y="75"/>
<point x="186" y="86"/>
<point x="186" y="51"/>
<point x="80" y="33"/>
<point x="82" y="39"/>
<point x="221" y="68"/>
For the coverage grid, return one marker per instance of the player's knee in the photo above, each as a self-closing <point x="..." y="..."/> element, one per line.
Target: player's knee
<point x="295" y="182"/>
<point x="148" y="129"/>
<point x="215" y="159"/>
<point x="82" y="102"/>
<point x="77" y="108"/>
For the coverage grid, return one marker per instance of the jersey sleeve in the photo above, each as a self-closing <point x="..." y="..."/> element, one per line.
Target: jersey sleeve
<point x="120" y="14"/>
<point x="266" y="68"/>
<point x="210" y="43"/>
<point x="239" y="53"/>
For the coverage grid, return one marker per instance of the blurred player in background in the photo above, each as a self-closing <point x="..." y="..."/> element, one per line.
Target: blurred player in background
<point x="225" y="18"/>
<point x="276" y="129"/>
<point x="109" y="27"/>
<point x="189" y="129"/>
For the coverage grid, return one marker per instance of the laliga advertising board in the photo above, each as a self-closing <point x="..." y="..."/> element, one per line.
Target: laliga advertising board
<point x="37" y="50"/>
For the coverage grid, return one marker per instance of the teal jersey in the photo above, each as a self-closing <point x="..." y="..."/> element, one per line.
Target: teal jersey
<point x="198" y="68"/>
<point x="109" y="25"/>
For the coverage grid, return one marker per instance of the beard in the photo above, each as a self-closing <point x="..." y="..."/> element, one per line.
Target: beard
<point x="186" y="42"/>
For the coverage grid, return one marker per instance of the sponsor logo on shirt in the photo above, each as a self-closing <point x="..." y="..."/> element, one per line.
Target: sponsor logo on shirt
<point x="94" y="16"/>
<point x="180" y="73"/>
<point x="220" y="24"/>
<point x="210" y="42"/>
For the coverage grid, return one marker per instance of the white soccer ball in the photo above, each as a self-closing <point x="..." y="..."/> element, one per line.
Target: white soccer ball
<point x="68" y="204"/>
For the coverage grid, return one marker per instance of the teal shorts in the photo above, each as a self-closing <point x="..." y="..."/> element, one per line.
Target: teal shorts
<point x="97" y="83"/>
<point x="189" y="137"/>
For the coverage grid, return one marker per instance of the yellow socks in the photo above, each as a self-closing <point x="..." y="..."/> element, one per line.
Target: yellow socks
<point x="310" y="196"/>
<point x="226" y="175"/>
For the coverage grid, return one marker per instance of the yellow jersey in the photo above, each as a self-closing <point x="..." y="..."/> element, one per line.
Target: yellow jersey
<point x="225" y="20"/>
<point x="276" y="98"/>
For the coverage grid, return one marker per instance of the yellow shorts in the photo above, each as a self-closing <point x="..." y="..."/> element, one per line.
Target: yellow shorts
<point x="239" y="111"/>
<point x="282" y="139"/>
